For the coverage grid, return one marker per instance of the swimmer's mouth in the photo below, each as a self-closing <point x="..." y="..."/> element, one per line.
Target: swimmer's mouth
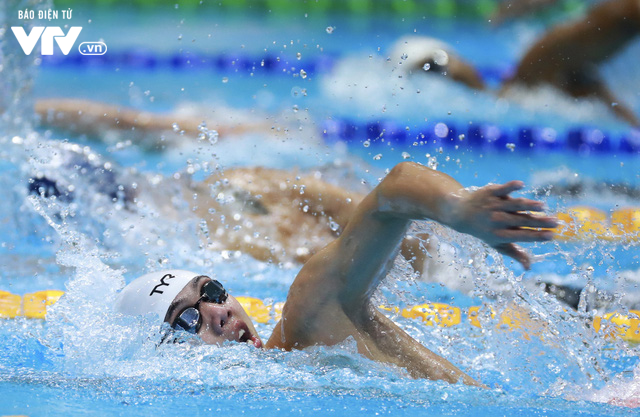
<point x="245" y="336"/>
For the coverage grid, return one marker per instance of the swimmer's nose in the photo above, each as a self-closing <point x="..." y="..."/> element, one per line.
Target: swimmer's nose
<point x="215" y="316"/>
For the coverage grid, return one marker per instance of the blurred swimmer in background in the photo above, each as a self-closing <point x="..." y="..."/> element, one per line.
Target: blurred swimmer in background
<point x="99" y="120"/>
<point x="417" y="55"/>
<point x="270" y="214"/>
<point x="330" y="299"/>
<point x="568" y="56"/>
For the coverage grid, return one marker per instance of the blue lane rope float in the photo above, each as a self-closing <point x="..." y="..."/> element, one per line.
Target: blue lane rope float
<point x="611" y="325"/>
<point x="581" y="139"/>
<point x="144" y="59"/>
<point x="268" y="64"/>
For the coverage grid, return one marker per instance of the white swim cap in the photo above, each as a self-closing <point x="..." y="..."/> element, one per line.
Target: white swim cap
<point x="153" y="293"/>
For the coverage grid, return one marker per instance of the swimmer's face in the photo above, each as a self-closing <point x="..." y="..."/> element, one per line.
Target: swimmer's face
<point x="218" y="322"/>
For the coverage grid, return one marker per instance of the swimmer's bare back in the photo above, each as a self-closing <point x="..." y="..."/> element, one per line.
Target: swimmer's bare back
<point x="568" y="56"/>
<point x="272" y="214"/>
<point x="329" y="300"/>
<point x="94" y="118"/>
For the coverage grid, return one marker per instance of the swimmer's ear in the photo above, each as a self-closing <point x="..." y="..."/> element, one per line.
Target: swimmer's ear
<point x="516" y="252"/>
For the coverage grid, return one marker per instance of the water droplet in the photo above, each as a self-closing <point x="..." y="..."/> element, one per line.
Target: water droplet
<point x="299" y="56"/>
<point x="404" y="57"/>
<point x="212" y="136"/>
<point x="366" y="143"/>
<point x="377" y="157"/>
<point x="175" y="127"/>
<point x="432" y="162"/>
<point x="441" y="130"/>
<point x="511" y="146"/>
<point x="334" y="226"/>
<point x="330" y="29"/>
<point x="426" y="67"/>
<point x="406" y="155"/>
<point x="225" y="80"/>
<point x="303" y="73"/>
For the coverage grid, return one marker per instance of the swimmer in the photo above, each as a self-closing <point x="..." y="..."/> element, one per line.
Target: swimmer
<point x="330" y="299"/>
<point x="97" y="119"/>
<point x="270" y="214"/>
<point x="567" y="57"/>
<point x="412" y="55"/>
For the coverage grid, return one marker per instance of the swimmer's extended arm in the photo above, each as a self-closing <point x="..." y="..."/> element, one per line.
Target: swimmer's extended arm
<point x="330" y="298"/>
<point x="361" y="255"/>
<point x="94" y="117"/>
<point x="619" y="108"/>
<point x="465" y="73"/>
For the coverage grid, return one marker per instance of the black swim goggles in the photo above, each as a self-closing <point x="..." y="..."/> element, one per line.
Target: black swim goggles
<point x="189" y="319"/>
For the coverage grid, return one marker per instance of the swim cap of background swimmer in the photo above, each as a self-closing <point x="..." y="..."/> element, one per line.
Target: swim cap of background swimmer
<point x="153" y="293"/>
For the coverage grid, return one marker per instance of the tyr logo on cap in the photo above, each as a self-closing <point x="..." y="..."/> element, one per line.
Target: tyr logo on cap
<point x="162" y="283"/>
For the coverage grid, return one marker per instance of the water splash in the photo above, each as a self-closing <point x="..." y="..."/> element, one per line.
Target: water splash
<point x="16" y="69"/>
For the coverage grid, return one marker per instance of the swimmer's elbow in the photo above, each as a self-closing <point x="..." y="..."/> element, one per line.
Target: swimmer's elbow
<point x="404" y="178"/>
<point x="394" y="183"/>
<point x="401" y="171"/>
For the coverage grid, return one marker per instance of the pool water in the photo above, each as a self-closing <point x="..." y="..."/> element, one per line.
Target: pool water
<point x="85" y="359"/>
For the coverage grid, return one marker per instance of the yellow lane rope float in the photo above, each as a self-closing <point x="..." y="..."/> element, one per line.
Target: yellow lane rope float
<point x="587" y="223"/>
<point x="611" y="325"/>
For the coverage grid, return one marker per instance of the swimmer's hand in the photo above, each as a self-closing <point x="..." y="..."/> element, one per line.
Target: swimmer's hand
<point x="491" y="214"/>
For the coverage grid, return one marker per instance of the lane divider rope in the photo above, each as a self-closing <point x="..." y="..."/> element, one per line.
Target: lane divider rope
<point x="583" y="140"/>
<point x="611" y="325"/>
<point x="588" y="223"/>
<point x="228" y="62"/>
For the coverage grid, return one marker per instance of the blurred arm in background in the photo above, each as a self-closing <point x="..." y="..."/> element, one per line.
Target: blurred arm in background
<point x="568" y="56"/>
